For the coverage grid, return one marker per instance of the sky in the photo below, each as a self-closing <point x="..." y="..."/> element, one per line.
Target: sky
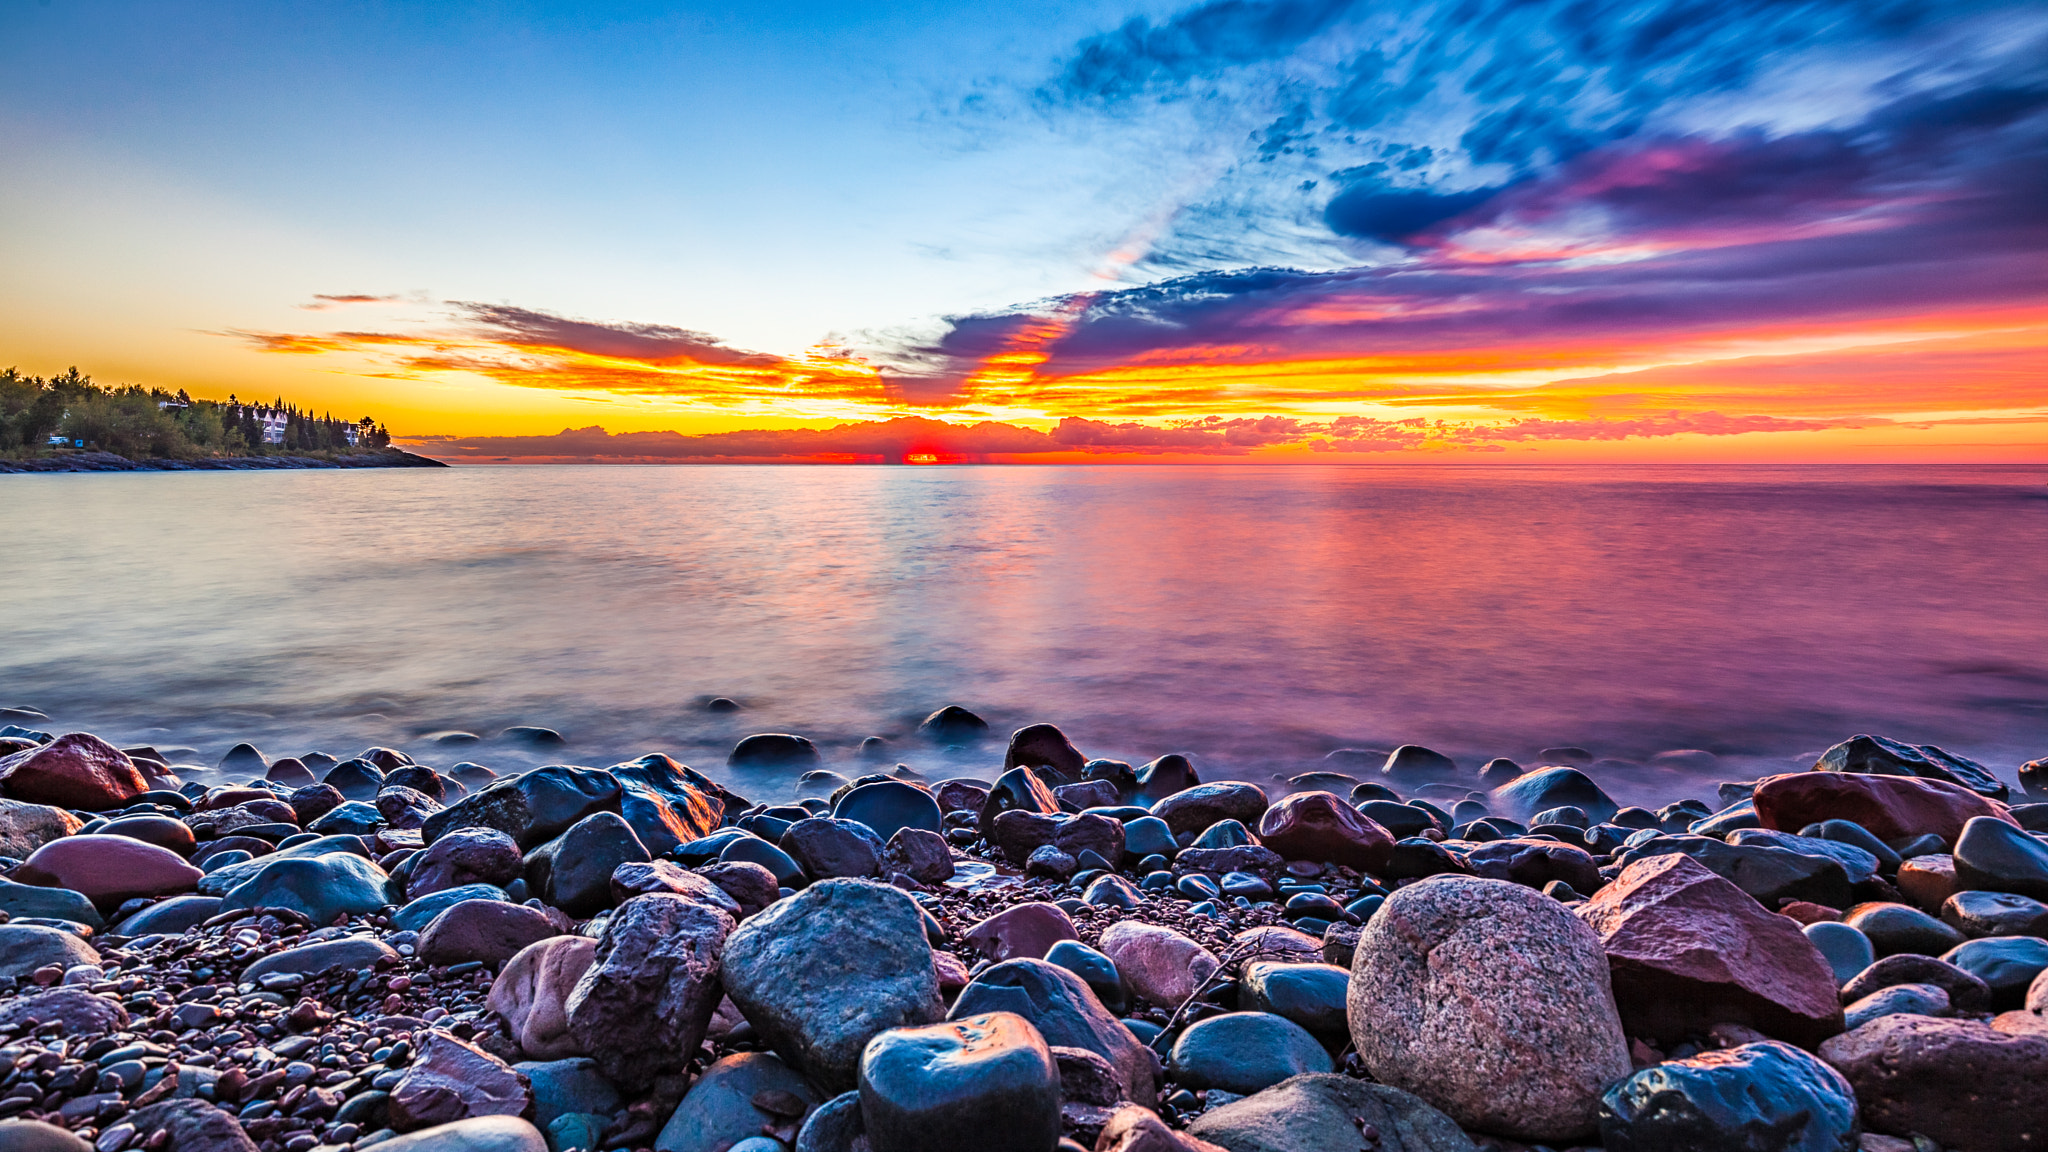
<point x="1244" y="229"/>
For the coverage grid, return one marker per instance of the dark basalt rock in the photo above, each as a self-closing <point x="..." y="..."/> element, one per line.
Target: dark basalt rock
<point x="773" y="750"/>
<point x="1417" y="858"/>
<point x="1413" y="764"/>
<point x="1744" y="1099"/>
<point x="1065" y="1010"/>
<point x="1847" y="951"/>
<point x="2006" y="965"/>
<point x="1535" y="863"/>
<point x="1527" y="795"/>
<point x="1995" y="914"/>
<point x="953" y="726"/>
<point x="573" y="871"/>
<point x="1895" y="928"/>
<point x="1115" y="773"/>
<point x="1860" y="864"/>
<point x="1770" y="875"/>
<point x="319" y="888"/>
<point x="644" y="1005"/>
<point x="1310" y="995"/>
<point x="355" y="779"/>
<point x="754" y="850"/>
<point x="888" y="806"/>
<point x="1192" y="809"/>
<point x="826" y="847"/>
<point x="1162" y="778"/>
<point x="1044" y="746"/>
<point x="985" y="1082"/>
<point x="1094" y="969"/>
<point x="1966" y="992"/>
<point x="1402" y="820"/>
<point x="1321" y="1112"/>
<point x="1994" y="856"/>
<point x="420" y="912"/>
<point x="1244" y="1052"/>
<point x="464" y="857"/>
<point x="1878" y="756"/>
<point x="532" y="807"/>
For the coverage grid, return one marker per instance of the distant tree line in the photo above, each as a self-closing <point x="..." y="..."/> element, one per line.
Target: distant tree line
<point x="153" y="423"/>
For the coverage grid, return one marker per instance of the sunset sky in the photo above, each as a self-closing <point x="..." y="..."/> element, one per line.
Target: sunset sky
<point x="1244" y="229"/>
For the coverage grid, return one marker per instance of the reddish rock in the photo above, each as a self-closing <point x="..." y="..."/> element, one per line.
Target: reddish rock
<point x="27" y="827"/>
<point x="1273" y="942"/>
<point x="1928" y="881"/>
<point x="1890" y="807"/>
<point x="1320" y="826"/>
<point x="960" y="795"/>
<point x="403" y="807"/>
<point x="637" y="878"/>
<point x="78" y="770"/>
<point x="291" y="772"/>
<point x="1027" y="930"/>
<point x="1193" y="809"/>
<point x="449" y="1080"/>
<point x="1805" y="912"/>
<point x="1689" y="950"/>
<point x="532" y="992"/>
<point x="1044" y="746"/>
<point x="1962" y="1083"/>
<point x="465" y="856"/>
<point x="81" y="1012"/>
<point x="492" y="931"/>
<point x="1162" y="966"/>
<point x="642" y="1008"/>
<point x="108" y="869"/>
<point x="192" y="1126"/>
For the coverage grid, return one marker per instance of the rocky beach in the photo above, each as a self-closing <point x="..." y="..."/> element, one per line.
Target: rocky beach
<point x="311" y="953"/>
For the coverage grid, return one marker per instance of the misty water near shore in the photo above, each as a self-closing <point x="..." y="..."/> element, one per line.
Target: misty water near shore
<point x="1253" y="617"/>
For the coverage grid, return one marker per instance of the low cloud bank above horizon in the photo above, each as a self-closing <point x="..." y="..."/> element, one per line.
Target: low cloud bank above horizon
<point x="1497" y="222"/>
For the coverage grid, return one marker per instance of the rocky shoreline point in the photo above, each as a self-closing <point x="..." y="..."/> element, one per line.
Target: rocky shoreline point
<point x="109" y="462"/>
<point x="309" y="954"/>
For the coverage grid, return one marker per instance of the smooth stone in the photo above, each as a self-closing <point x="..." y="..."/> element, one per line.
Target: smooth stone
<point x="1876" y="755"/>
<point x="80" y="1012"/>
<point x="1914" y="999"/>
<point x="1096" y="970"/>
<point x="361" y="953"/>
<point x="888" y="806"/>
<point x="1852" y="833"/>
<point x="353" y="818"/>
<point x="820" y="973"/>
<point x="2006" y="964"/>
<point x="1148" y="835"/>
<point x="532" y="807"/>
<point x="1994" y="856"/>
<point x="1192" y="809"/>
<point x="1044" y="746"/>
<point x="1162" y="966"/>
<point x="36" y="901"/>
<point x="754" y="850"/>
<point x="1859" y="863"/>
<point x="773" y="750"/>
<point x="1769" y="875"/>
<point x="1159" y="779"/>
<point x="314" y="801"/>
<point x="355" y="779"/>
<point x="1401" y="820"/>
<point x="1490" y="1001"/>
<point x="1743" y="1099"/>
<point x="193" y="1125"/>
<point x="1535" y="863"/>
<point x="566" y="1087"/>
<point x="321" y="888"/>
<point x="719" y="1112"/>
<point x="420" y="912"/>
<point x="532" y="995"/>
<point x="109" y="870"/>
<point x="1311" y="995"/>
<point x="480" y="1134"/>
<point x="1322" y="1112"/>
<point x="170" y="917"/>
<point x="1846" y="950"/>
<point x="1113" y="891"/>
<point x="1548" y="788"/>
<point x="1322" y="827"/>
<point x="1244" y="1052"/>
<point x="77" y="770"/>
<point x="986" y="1082"/>
<point x="953" y="726"/>
<point x="831" y="847"/>
<point x="643" y="1006"/>
<point x="749" y="885"/>
<point x="1889" y="807"/>
<point x="573" y="871"/>
<point x="1223" y="834"/>
<point x="27" y="947"/>
<point x="1961" y="1083"/>
<point x="36" y="1136"/>
<point x="1065" y="1010"/>
<point x="1965" y="991"/>
<point x="1018" y="790"/>
<point x="1995" y="914"/>
<point x="490" y="930"/>
<point x="1895" y="928"/>
<point x="163" y="831"/>
<point x="1022" y="930"/>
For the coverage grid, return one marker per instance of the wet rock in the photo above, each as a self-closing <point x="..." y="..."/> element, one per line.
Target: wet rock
<point x="314" y="801"/>
<point x="355" y="779"/>
<point x="1044" y="746"/>
<point x="353" y="818"/>
<point x="750" y="885"/>
<point x="1400" y="820"/>
<point x="405" y="807"/>
<point x="532" y="995"/>
<point x="773" y="750"/>
<point x="491" y="931"/>
<point x="1086" y="795"/>
<point x="108" y="870"/>
<point x="1889" y="807"/>
<point x="888" y="806"/>
<point x="986" y="1082"/>
<point x="1913" y="999"/>
<point x="953" y="726"/>
<point x="1066" y="1012"/>
<point x="1995" y="914"/>
<point x="1893" y="928"/>
<point x="1995" y="856"/>
<point x="451" y="1080"/>
<point x="561" y="1087"/>
<point x="670" y="804"/>
<point x="1050" y="863"/>
<point x="573" y="871"/>
<point x="1859" y="863"/>
<point x="19" y="900"/>
<point x="1546" y="788"/>
<point x="1533" y="1061"/>
<point x="1193" y="809"/>
<point x="1846" y="951"/>
<point x="27" y="947"/>
<point x="960" y="795"/>
<point x="826" y="848"/>
<point x="640" y="877"/>
<point x="26" y="827"/>
<point x="481" y="1134"/>
<point x="1244" y="1052"/>
<point x="1965" y="991"/>
<point x="417" y="914"/>
<point x="1534" y="863"/>
<point x="1412" y="764"/>
<point x="170" y="917"/>
<point x="77" y="770"/>
<point x="1256" y="859"/>
<point x="1928" y="881"/>
<point x="1326" y="1112"/>
<point x="320" y="888"/>
<point x="1019" y="832"/>
<point x="463" y="857"/>
<point x="1689" y="950"/>
<point x="1312" y="995"/>
<point x="79" y="1011"/>
<point x="355" y="953"/>
<point x="532" y="807"/>
<point x="919" y="854"/>
<point x="1161" y="778"/>
<point x="36" y="1136"/>
<point x="1320" y="826"/>
<point x="1162" y="966"/>
<point x="1018" y="790"/>
<point x="1769" y="875"/>
<point x="754" y="850"/>
<point x="1751" y="1097"/>
<point x="642" y="1007"/>
<point x="1961" y="1083"/>
<point x="822" y="972"/>
<point x="192" y="1126"/>
<point x="719" y="1110"/>
<point x="2006" y="965"/>
<point x="1876" y="755"/>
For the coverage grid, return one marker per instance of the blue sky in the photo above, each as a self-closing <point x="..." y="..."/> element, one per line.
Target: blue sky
<point x="1034" y="211"/>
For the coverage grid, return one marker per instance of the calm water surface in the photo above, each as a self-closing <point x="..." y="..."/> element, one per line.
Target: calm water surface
<point x="1255" y="618"/>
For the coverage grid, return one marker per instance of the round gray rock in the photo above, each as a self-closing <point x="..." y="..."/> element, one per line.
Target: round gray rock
<point x="1322" y="1111"/>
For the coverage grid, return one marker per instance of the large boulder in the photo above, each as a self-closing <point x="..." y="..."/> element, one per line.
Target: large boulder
<point x="531" y="994"/>
<point x="490" y="931"/>
<point x="1548" y="788"/>
<point x="109" y="870"/>
<point x="1490" y="1001"/>
<point x="1044" y="746"/>
<point x="78" y="770"/>
<point x="986" y="1082"/>
<point x="1962" y="1083"/>
<point x="1889" y="807"/>
<point x="1325" y="1112"/>
<point x="1689" y="950"/>
<point x="1066" y="1011"/>
<point x="1193" y="809"/>
<point x="642" y="1007"/>
<point x="1876" y="755"/>
<point x="532" y="807"/>
<point x="450" y="1079"/>
<point x="1754" y="1096"/>
<point x="463" y="857"/>
<point x="320" y="888"/>
<point x="573" y="871"/>
<point x="820" y="973"/>
<point x="720" y="1109"/>
<point x="25" y="827"/>
<point x="1322" y="827"/>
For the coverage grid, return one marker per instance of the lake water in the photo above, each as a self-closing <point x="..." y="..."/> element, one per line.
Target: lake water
<point x="1253" y="617"/>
